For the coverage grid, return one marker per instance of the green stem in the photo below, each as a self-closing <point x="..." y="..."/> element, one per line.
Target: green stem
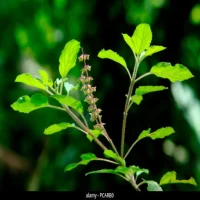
<point x="127" y="105"/>
<point x="144" y="75"/>
<point x="141" y="183"/>
<point x="56" y="107"/>
<point x="77" y="120"/>
<point x="130" y="148"/>
<point x="80" y="130"/>
<point x="85" y="121"/>
<point x="133" y="183"/>
<point x="106" y="160"/>
<point x="61" y="86"/>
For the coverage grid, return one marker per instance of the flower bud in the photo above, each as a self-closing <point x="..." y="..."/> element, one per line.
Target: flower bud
<point x="88" y="79"/>
<point x="92" y="108"/>
<point x="99" y="127"/>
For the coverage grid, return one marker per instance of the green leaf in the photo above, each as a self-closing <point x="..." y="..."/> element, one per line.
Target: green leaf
<point x="95" y="132"/>
<point x="123" y="170"/>
<point x="144" y="134"/>
<point x="86" y="158"/>
<point x="69" y="101"/>
<point x="57" y="127"/>
<point x="129" y="42"/>
<point x="174" y="73"/>
<point x="170" y="178"/>
<point x="141" y="38"/>
<point x="137" y="99"/>
<point x="69" y="87"/>
<point x="153" y="186"/>
<point x="25" y="104"/>
<point x="141" y="171"/>
<point x="113" y="56"/>
<point x="111" y="154"/>
<point x="102" y="171"/>
<point x="158" y="134"/>
<point x="153" y="49"/>
<point x="141" y="90"/>
<point x="45" y="78"/>
<point x="29" y="80"/>
<point x="68" y="57"/>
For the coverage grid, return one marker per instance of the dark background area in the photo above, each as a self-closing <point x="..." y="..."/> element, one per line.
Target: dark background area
<point x="33" y="34"/>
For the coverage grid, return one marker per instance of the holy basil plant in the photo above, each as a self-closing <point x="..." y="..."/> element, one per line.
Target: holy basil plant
<point x="59" y="90"/>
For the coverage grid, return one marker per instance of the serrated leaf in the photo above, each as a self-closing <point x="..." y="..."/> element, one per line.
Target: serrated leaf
<point x="109" y="54"/>
<point x="29" y="80"/>
<point x="101" y="171"/>
<point x="95" y="132"/>
<point x="153" y="49"/>
<point x="141" y="38"/>
<point x="137" y="99"/>
<point x="141" y="90"/>
<point x="69" y="87"/>
<point x="153" y="186"/>
<point x="85" y="159"/>
<point x="174" y="73"/>
<point x="45" y="78"/>
<point x="57" y="127"/>
<point x="69" y="101"/>
<point x="68" y="57"/>
<point x="170" y="178"/>
<point x="25" y="104"/>
<point x="111" y="154"/>
<point x="158" y="134"/>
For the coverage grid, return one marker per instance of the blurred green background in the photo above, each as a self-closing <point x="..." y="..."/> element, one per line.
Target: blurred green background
<point x="32" y="36"/>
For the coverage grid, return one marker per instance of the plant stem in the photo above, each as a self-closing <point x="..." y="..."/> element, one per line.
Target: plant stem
<point x="130" y="148"/>
<point x="77" y="120"/>
<point x="80" y="130"/>
<point x="56" y="107"/>
<point x="106" y="160"/>
<point x="61" y="86"/>
<point x="144" y="75"/>
<point x="85" y="121"/>
<point x="127" y="105"/>
<point x="141" y="183"/>
<point x="133" y="183"/>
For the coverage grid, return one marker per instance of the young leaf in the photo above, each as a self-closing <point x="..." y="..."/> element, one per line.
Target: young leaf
<point x="57" y="127"/>
<point x="109" y="171"/>
<point x="45" y="78"/>
<point x="141" y="38"/>
<point x="153" y="186"/>
<point x="29" y="80"/>
<point x="69" y="101"/>
<point x="95" y="132"/>
<point x="158" y="134"/>
<point x="123" y="170"/>
<point x="137" y="99"/>
<point x="85" y="159"/>
<point x="68" y="57"/>
<point x="170" y="178"/>
<point x="141" y="90"/>
<point x="111" y="154"/>
<point x="144" y="134"/>
<point x="113" y="56"/>
<point x="69" y="87"/>
<point x="129" y="42"/>
<point x="153" y="49"/>
<point x="173" y="73"/>
<point x="141" y="171"/>
<point x="25" y="104"/>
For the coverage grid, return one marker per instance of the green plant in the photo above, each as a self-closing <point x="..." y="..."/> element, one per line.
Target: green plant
<point x="140" y="46"/>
